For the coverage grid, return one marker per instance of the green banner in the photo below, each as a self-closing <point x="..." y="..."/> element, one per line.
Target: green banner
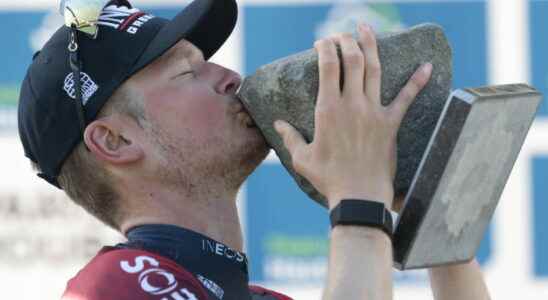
<point x="9" y="94"/>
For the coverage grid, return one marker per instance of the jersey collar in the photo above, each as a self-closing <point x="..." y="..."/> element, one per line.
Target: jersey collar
<point x="209" y="260"/>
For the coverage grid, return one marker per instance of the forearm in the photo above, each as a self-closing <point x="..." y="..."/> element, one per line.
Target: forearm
<point x="464" y="281"/>
<point x="360" y="264"/>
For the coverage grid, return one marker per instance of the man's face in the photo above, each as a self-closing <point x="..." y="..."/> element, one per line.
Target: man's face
<point x="197" y="127"/>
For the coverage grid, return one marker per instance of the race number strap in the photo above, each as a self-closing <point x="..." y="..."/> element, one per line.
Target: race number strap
<point x="127" y="274"/>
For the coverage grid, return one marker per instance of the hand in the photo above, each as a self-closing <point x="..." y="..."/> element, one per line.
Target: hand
<point x="353" y="153"/>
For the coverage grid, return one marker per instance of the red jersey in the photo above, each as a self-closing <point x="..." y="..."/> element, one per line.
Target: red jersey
<point x="135" y="274"/>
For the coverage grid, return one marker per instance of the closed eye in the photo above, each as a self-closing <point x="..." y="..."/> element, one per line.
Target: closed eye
<point x="190" y="72"/>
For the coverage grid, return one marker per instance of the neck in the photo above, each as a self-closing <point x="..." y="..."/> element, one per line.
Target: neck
<point x="212" y="214"/>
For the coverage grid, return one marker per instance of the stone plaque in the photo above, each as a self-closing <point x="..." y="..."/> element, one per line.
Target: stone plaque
<point x="287" y="89"/>
<point x="462" y="174"/>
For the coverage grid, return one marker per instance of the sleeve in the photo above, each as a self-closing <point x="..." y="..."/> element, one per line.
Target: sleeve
<point x="127" y="274"/>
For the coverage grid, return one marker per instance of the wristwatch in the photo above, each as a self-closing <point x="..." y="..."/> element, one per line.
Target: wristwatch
<point x="362" y="213"/>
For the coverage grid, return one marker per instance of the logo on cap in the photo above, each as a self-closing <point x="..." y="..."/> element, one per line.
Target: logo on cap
<point x="89" y="87"/>
<point x="123" y="18"/>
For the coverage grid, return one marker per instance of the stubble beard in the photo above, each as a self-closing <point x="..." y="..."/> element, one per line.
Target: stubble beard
<point x="218" y="165"/>
<point x="251" y="155"/>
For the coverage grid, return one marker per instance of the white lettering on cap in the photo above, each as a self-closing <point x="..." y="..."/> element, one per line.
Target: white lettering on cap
<point x="89" y="87"/>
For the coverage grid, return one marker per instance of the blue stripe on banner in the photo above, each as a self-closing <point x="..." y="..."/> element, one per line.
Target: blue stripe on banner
<point x="540" y="207"/>
<point x="539" y="48"/>
<point x="286" y="231"/>
<point x="16" y="52"/>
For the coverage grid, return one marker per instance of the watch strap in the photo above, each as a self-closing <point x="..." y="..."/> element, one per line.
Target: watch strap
<point x="362" y="213"/>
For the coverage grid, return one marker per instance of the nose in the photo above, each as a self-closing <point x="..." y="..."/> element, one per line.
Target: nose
<point x="228" y="82"/>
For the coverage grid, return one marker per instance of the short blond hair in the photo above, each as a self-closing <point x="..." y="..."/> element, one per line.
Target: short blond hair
<point x="85" y="180"/>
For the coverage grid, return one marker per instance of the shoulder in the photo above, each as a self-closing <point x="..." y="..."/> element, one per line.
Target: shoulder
<point x="260" y="293"/>
<point x="132" y="274"/>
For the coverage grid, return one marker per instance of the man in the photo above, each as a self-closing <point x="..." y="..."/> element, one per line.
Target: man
<point x="138" y="128"/>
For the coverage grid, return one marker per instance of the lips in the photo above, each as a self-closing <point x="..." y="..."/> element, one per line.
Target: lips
<point x="245" y="119"/>
<point x="242" y="115"/>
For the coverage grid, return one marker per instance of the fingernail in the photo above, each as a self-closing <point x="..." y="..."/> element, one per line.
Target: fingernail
<point x="426" y="68"/>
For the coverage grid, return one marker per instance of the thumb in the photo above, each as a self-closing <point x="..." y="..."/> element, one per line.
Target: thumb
<point x="291" y="137"/>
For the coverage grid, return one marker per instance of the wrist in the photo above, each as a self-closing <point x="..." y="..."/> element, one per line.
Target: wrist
<point x="374" y="236"/>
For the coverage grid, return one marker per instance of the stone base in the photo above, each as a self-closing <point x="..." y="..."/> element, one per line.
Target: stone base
<point x="462" y="174"/>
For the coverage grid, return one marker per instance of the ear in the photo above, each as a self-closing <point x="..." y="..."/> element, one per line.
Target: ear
<point x="112" y="140"/>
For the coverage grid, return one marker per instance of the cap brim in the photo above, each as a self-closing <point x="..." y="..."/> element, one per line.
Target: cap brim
<point x="205" y="23"/>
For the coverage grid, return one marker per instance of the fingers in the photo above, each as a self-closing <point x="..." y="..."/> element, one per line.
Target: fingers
<point x="292" y="139"/>
<point x="354" y="63"/>
<point x="329" y="68"/>
<point x="411" y="89"/>
<point x="372" y="63"/>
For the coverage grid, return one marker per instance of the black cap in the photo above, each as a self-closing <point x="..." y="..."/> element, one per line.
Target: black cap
<point x="127" y="40"/>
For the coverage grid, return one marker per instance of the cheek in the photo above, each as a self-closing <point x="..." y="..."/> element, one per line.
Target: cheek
<point x="205" y="119"/>
<point x="198" y="110"/>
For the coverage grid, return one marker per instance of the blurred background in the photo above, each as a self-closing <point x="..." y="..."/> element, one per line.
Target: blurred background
<point x="45" y="239"/>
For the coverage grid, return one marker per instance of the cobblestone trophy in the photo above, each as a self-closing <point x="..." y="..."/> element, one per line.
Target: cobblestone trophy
<point x="455" y="150"/>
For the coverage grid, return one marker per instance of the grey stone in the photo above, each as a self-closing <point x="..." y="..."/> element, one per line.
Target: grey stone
<point x="462" y="175"/>
<point x="287" y="89"/>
